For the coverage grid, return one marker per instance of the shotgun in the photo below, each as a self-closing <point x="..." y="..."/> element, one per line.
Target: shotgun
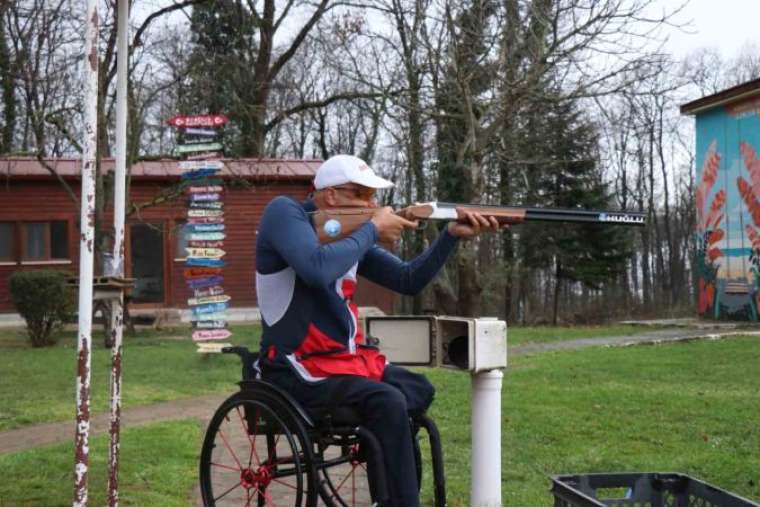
<point x="334" y="224"/>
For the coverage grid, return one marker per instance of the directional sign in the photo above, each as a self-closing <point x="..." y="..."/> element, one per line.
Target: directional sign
<point x="205" y="120"/>
<point x="201" y="271"/>
<point x="222" y="298"/>
<point x="210" y="324"/>
<point x="209" y="308"/>
<point x="203" y="262"/>
<point x="205" y="281"/>
<point x="205" y="189"/>
<point x="196" y="140"/>
<point x="206" y="227"/>
<point x="190" y="165"/>
<point x="207" y="205"/>
<point x="202" y="132"/>
<point x="204" y="172"/>
<point x="202" y="155"/>
<point x="214" y="290"/>
<point x="214" y="196"/>
<point x="211" y="253"/>
<point x="208" y="316"/>
<point x="211" y="347"/>
<point x="190" y="148"/>
<point x="205" y="220"/>
<point x="211" y="334"/>
<point x="205" y="244"/>
<point x="205" y="213"/>
<point x="206" y="236"/>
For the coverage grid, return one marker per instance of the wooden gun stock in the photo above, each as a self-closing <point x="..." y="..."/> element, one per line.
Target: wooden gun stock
<point x="335" y="224"/>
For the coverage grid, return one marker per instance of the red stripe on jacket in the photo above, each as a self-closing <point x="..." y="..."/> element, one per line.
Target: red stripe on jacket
<point x="367" y="362"/>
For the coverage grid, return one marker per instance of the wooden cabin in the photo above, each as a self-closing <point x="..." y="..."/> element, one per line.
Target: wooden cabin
<point x="38" y="225"/>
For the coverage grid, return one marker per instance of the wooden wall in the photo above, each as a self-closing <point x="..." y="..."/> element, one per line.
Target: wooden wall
<point x="43" y="200"/>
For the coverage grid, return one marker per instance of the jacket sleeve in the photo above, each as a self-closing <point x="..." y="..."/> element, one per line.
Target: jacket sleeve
<point x="409" y="278"/>
<point x="286" y="228"/>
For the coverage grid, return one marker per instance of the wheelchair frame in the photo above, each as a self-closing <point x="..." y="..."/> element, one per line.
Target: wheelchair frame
<point x="264" y="410"/>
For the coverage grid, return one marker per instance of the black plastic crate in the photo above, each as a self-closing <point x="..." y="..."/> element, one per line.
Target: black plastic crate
<point x="640" y="490"/>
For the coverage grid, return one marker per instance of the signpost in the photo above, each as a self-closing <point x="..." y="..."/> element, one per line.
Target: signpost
<point x="199" y="136"/>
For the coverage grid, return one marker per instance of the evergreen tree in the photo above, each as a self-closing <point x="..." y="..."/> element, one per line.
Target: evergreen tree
<point x="224" y="45"/>
<point x="561" y="137"/>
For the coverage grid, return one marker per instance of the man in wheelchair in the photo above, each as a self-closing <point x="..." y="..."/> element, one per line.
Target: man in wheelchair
<point x="312" y="344"/>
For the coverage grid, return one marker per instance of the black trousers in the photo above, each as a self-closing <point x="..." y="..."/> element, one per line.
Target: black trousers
<point x="385" y="408"/>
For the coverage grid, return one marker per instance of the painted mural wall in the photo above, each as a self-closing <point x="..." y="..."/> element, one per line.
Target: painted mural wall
<point x="728" y="211"/>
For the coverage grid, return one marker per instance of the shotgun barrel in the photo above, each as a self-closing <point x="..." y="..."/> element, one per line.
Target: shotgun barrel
<point x="335" y="224"/>
<point x="516" y="214"/>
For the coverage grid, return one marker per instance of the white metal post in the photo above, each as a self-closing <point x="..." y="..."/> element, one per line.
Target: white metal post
<point x="119" y="205"/>
<point x="485" y="480"/>
<point x="86" y="255"/>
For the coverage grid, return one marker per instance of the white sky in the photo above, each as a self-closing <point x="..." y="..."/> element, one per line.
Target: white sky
<point x="723" y="24"/>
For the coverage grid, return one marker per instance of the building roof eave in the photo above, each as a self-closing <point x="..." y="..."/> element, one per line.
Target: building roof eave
<point x="733" y="94"/>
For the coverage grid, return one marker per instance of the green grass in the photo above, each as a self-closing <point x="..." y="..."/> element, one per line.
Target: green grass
<point x="38" y="385"/>
<point x="546" y="334"/>
<point x="157" y="468"/>
<point x="691" y="408"/>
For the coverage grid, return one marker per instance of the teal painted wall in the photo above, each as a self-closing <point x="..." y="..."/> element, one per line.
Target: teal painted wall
<point x="728" y="212"/>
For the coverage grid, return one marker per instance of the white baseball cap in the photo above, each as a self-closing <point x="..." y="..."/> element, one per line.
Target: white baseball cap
<point x="342" y="169"/>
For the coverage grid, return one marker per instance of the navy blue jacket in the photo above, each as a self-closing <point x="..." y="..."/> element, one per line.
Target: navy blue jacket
<point x="305" y="290"/>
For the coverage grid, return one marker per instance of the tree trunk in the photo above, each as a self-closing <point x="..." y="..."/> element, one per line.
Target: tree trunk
<point x="8" y="86"/>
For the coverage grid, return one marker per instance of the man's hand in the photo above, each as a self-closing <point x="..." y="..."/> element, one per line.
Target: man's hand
<point x="476" y="224"/>
<point x="389" y="225"/>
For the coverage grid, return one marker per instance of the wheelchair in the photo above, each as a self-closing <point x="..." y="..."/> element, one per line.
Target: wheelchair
<point x="262" y="448"/>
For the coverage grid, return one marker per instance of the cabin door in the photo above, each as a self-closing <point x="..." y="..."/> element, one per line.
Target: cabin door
<point x="146" y="245"/>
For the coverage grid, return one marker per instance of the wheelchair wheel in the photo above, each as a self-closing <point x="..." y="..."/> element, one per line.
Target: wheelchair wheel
<point x="347" y="473"/>
<point x="344" y="476"/>
<point x="256" y="452"/>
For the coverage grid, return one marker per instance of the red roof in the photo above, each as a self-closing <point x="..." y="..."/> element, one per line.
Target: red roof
<point x="733" y="94"/>
<point x="302" y="170"/>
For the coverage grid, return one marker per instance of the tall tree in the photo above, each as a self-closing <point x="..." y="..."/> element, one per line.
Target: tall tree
<point x="237" y="33"/>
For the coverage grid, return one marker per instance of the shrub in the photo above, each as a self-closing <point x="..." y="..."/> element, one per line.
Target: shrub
<point x="44" y="301"/>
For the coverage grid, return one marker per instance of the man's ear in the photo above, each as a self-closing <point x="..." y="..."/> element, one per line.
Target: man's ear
<point x="330" y="197"/>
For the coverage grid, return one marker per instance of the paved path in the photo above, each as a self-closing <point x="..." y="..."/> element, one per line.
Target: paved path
<point x="53" y="433"/>
<point x="202" y="408"/>
<point x="651" y="338"/>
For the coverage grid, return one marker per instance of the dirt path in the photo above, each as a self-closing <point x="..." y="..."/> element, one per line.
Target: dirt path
<point x="202" y="408"/>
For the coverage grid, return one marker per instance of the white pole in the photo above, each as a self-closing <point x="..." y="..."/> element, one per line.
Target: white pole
<point x="117" y="305"/>
<point x="485" y="480"/>
<point x="86" y="255"/>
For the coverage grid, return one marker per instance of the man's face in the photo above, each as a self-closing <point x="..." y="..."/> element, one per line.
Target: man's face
<point x="351" y="195"/>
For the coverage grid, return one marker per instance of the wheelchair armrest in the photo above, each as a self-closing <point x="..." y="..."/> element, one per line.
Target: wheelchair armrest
<point x="246" y="357"/>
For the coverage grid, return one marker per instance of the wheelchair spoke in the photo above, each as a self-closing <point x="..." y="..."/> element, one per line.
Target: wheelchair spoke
<point x="227" y="467"/>
<point x="349" y="474"/>
<point x="234" y="456"/>
<point x="227" y="492"/>
<point x="267" y="497"/>
<point x="251" y="438"/>
<point x="285" y="484"/>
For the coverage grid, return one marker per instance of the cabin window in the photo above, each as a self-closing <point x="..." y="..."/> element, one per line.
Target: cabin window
<point x="7" y="241"/>
<point x="45" y="241"/>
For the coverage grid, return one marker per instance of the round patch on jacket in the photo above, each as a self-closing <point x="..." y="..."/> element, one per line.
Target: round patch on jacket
<point x="332" y="228"/>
